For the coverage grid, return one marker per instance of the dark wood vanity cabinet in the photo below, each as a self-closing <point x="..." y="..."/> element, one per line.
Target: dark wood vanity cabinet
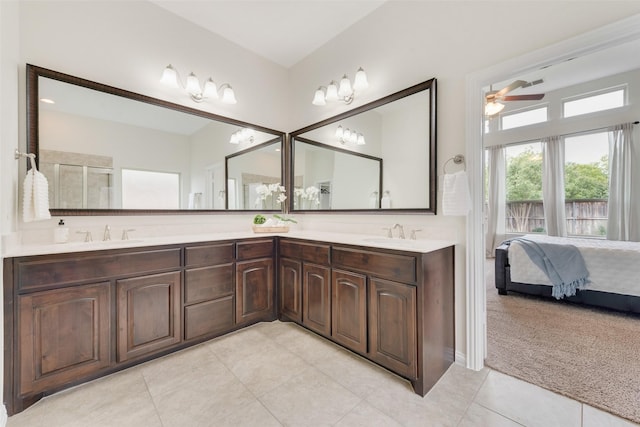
<point x="148" y="310"/>
<point x="349" y="309"/>
<point x="73" y="317"/>
<point x="394" y="307"/>
<point x="305" y="284"/>
<point x="255" y="281"/>
<point x="63" y="334"/>
<point x="209" y="290"/>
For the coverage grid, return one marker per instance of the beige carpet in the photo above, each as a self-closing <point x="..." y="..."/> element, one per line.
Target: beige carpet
<point x="590" y="355"/>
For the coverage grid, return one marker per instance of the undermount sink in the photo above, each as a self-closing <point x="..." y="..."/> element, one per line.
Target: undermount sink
<point x="105" y="243"/>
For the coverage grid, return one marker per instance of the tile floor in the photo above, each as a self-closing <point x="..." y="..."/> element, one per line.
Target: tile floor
<point x="279" y="374"/>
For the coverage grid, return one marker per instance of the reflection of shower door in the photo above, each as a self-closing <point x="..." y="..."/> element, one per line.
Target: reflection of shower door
<point x="325" y="195"/>
<point x="78" y="187"/>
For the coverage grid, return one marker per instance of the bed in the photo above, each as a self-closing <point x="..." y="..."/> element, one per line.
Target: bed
<point x="613" y="266"/>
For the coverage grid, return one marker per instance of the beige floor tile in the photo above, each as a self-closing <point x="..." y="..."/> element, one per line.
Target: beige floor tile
<point x="180" y="369"/>
<point x="456" y="389"/>
<point x="365" y="415"/>
<point x="526" y="403"/>
<point x="202" y="400"/>
<point x="306" y="344"/>
<point x="30" y="417"/>
<point x="120" y="399"/>
<point x="479" y="416"/>
<point x="267" y="369"/>
<point x="310" y="399"/>
<point x="359" y="375"/>
<point x="255" y="414"/>
<point x="240" y="344"/>
<point x="592" y="417"/>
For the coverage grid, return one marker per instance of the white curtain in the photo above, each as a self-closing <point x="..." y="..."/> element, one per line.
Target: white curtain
<point x="553" y="185"/>
<point x="496" y="207"/>
<point x="623" y="223"/>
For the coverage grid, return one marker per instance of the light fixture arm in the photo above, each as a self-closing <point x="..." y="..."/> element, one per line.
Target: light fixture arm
<point x="172" y="78"/>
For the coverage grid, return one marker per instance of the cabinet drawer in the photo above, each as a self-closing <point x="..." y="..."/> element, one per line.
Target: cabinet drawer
<point x="254" y="249"/>
<point x="208" y="317"/>
<point x="311" y="252"/>
<point x="48" y="271"/>
<point x="401" y="268"/>
<point x="208" y="255"/>
<point x="206" y="283"/>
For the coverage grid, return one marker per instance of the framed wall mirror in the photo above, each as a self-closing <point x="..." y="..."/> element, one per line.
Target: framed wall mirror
<point x="109" y="151"/>
<point x="396" y="134"/>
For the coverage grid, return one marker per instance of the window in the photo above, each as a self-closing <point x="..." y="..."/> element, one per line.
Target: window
<point x="150" y="190"/>
<point x="586" y="183"/>
<point x="592" y="103"/>
<point x="524" y="118"/>
<point x="524" y="212"/>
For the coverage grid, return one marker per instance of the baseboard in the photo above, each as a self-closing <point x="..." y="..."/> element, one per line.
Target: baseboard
<point x="460" y="358"/>
<point x="3" y="416"/>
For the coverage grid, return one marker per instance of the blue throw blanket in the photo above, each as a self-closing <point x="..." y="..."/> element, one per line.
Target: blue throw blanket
<point x="563" y="265"/>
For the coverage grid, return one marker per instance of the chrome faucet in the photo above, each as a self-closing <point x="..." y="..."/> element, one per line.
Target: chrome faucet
<point x="125" y="233"/>
<point x="107" y="233"/>
<point x="401" y="232"/>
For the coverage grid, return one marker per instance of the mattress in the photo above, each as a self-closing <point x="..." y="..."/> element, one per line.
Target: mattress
<point x="614" y="266"/>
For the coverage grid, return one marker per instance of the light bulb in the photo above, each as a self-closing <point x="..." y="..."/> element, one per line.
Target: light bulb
<point x="345" y="87"/>
<point x="360" y="82"/>
<point x="339" y="132"/>
<point x="318" y="98"/>
<point x="332" y="91"/>
<point x="193" y="85"/>
<point x="169" y="76"/>
<point x="360" y="139"/>
<point x="210" y="89"/>
<point x="492" y="108"/>
<point x="228" y="96"/>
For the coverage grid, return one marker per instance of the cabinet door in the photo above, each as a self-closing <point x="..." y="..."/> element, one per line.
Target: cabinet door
<point x="254" y="290"/>
<point x="316" y="297"/>
<point x="349" y="310"/>
<point x="148" y="314"/>
<point x="291" y="289"/>
<point x="64" y="335"/>
<point x="392" y="326"/>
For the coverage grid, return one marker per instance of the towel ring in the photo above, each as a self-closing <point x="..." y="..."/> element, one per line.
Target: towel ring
<point x="457" y="159"/>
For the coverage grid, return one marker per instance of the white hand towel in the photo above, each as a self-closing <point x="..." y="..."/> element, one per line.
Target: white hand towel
<point x="35" y="197"/>
<point x="456" y="199"/>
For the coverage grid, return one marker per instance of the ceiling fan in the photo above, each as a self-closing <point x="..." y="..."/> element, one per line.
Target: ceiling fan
<point x="494" y="106"/>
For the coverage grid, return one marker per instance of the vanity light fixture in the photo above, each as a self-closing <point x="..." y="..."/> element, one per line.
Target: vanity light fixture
<point x="349" y="136"/>
<point x="198" y="94"/>
<point x="242" y="135"/>
<point x="344" y="92"/>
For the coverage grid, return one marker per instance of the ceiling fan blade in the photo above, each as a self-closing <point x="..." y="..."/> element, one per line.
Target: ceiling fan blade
<point x="512" y="86"/>
<point x="532" y="97"/>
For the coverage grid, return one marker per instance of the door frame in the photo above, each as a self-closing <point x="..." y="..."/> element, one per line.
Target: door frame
<point x="604" y="37"/>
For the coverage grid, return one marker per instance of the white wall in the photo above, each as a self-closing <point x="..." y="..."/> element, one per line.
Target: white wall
<point x="400" y="44"/>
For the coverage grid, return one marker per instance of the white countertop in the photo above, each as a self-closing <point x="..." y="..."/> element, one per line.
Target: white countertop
<point x="420" y="246"/>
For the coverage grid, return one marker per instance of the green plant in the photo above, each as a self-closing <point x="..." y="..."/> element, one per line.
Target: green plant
<point x="259" y="219"/>
<point x="284" y="219"/>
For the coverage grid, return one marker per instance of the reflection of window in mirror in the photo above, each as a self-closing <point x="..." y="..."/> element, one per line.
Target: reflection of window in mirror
<point x="150" y="190"/>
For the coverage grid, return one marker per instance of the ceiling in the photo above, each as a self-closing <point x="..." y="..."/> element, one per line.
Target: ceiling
<point x="284" y="32"/>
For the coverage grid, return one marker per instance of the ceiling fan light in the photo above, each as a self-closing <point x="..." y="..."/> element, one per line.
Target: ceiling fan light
<point x="345" y="89"/>
<point x="492" y="108"/>
<point x="360" y="82"/>
<point x="169" y="77"/>
<point x="332" y="91"/>
<point x="318" y="98"/>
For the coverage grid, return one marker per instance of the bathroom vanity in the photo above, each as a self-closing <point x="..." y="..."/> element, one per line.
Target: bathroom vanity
<point x="76" y="316"/>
